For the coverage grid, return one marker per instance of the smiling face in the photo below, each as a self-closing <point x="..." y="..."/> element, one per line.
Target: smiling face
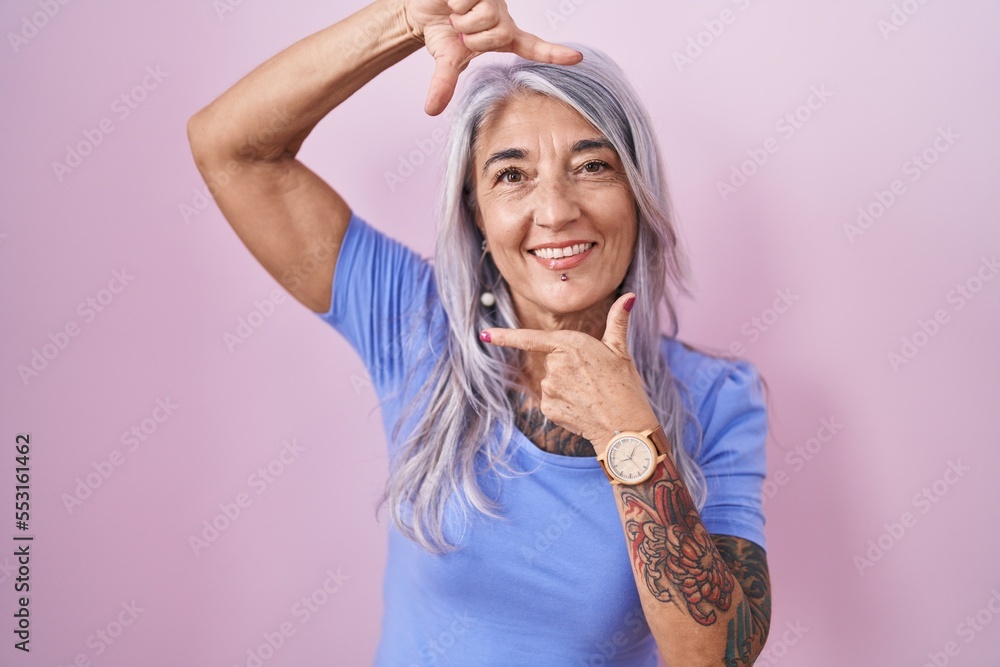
<point x="554" y="199"/>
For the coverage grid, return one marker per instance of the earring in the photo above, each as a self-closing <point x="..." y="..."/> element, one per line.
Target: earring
<point x="486" y="298"/>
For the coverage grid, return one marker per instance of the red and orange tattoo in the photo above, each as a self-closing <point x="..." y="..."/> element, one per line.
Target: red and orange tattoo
<point x="674" y="553"/>
<point x="673" y="550"/>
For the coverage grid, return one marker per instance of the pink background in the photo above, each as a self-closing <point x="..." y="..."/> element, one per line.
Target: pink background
<point x="294" y="379"/>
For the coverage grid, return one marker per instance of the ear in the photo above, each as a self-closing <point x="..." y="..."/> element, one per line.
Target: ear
<point x="479" y="221"/>
<point x="470" y="203"/>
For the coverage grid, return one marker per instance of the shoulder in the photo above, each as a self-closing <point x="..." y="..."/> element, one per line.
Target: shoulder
<point x="384" y="301"/>
<point x="725" y="395"/>
<point x="727" y="435"/>
<point x="371" y="255"/>
<point x="707" y="377"/>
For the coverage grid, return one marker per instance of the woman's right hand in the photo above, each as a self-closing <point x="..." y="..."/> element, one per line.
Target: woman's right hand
<point x="456" y="31"/>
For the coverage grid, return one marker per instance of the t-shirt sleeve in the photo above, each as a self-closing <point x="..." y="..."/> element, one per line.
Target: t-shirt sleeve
<point x="377" y="284"/>
<point x="733" y="454"/>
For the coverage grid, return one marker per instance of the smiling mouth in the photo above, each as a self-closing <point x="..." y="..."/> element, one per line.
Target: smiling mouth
<point x="560" y="253"/>
<point x="562" y="259"/>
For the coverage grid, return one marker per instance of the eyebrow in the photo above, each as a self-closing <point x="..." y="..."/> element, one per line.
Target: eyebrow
<point x="520" y="153"/>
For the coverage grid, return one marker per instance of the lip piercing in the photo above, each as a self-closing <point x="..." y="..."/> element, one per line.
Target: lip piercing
<point x="564" y="278"/>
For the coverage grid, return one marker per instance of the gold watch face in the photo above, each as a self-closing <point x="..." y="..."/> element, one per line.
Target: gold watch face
<point x="630" y="459"/>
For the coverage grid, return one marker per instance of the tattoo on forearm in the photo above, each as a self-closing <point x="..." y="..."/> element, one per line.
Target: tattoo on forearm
<point x="671" y="548"/>
<point x="748" y="629"/>
<point x="738" y="638"/>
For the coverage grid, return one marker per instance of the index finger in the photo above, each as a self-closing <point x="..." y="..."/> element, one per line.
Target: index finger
<point x="530" y="340"/>
<point x="535" y="48"/>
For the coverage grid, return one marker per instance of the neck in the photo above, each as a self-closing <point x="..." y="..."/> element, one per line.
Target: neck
<point x="592" y="321"/>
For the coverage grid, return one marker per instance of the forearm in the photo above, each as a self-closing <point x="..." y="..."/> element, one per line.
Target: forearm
<point x="269" y="112"/>
<point x="695" y="607"/>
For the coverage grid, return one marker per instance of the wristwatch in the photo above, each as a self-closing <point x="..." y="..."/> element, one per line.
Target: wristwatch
<point x="631" y="457"/>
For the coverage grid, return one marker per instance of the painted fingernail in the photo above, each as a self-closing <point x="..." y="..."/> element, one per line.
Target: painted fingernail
<point x="629" y="302"/>
<point x="485" y="336"/>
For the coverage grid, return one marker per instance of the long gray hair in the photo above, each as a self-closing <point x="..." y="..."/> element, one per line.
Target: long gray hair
<point x="466" y="394"/>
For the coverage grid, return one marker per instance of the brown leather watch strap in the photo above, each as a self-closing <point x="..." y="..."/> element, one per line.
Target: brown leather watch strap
<point x="604" y="467"/>
<point x="659" y="438"/>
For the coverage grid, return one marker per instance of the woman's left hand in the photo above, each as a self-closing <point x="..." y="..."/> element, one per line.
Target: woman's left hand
<point x="591" y="387"/>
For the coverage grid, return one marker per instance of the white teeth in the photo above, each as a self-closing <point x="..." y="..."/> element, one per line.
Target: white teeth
<point x="559" y="253"/>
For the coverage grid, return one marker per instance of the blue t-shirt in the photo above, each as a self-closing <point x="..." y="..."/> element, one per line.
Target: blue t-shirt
<point x="552" y="585"/>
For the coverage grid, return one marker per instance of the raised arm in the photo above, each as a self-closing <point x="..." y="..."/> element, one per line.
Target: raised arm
<point x="245" y="142"/>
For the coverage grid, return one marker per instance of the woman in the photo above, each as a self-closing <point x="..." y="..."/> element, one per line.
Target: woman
<point x="538" y="415"/>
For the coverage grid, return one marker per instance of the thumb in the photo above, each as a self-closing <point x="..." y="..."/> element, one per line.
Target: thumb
<point x="443" y="83"/>
<point x="616" y="332"/>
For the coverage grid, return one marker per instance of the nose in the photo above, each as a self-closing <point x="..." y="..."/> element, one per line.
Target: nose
<point x="555" y="203"/>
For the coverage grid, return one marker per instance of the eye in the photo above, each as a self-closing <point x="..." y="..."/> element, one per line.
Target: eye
<point x="594" y="163"/>
<point x="504" y="172"/>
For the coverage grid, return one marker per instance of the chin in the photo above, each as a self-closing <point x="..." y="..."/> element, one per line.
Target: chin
<point x="573" y="300"/>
